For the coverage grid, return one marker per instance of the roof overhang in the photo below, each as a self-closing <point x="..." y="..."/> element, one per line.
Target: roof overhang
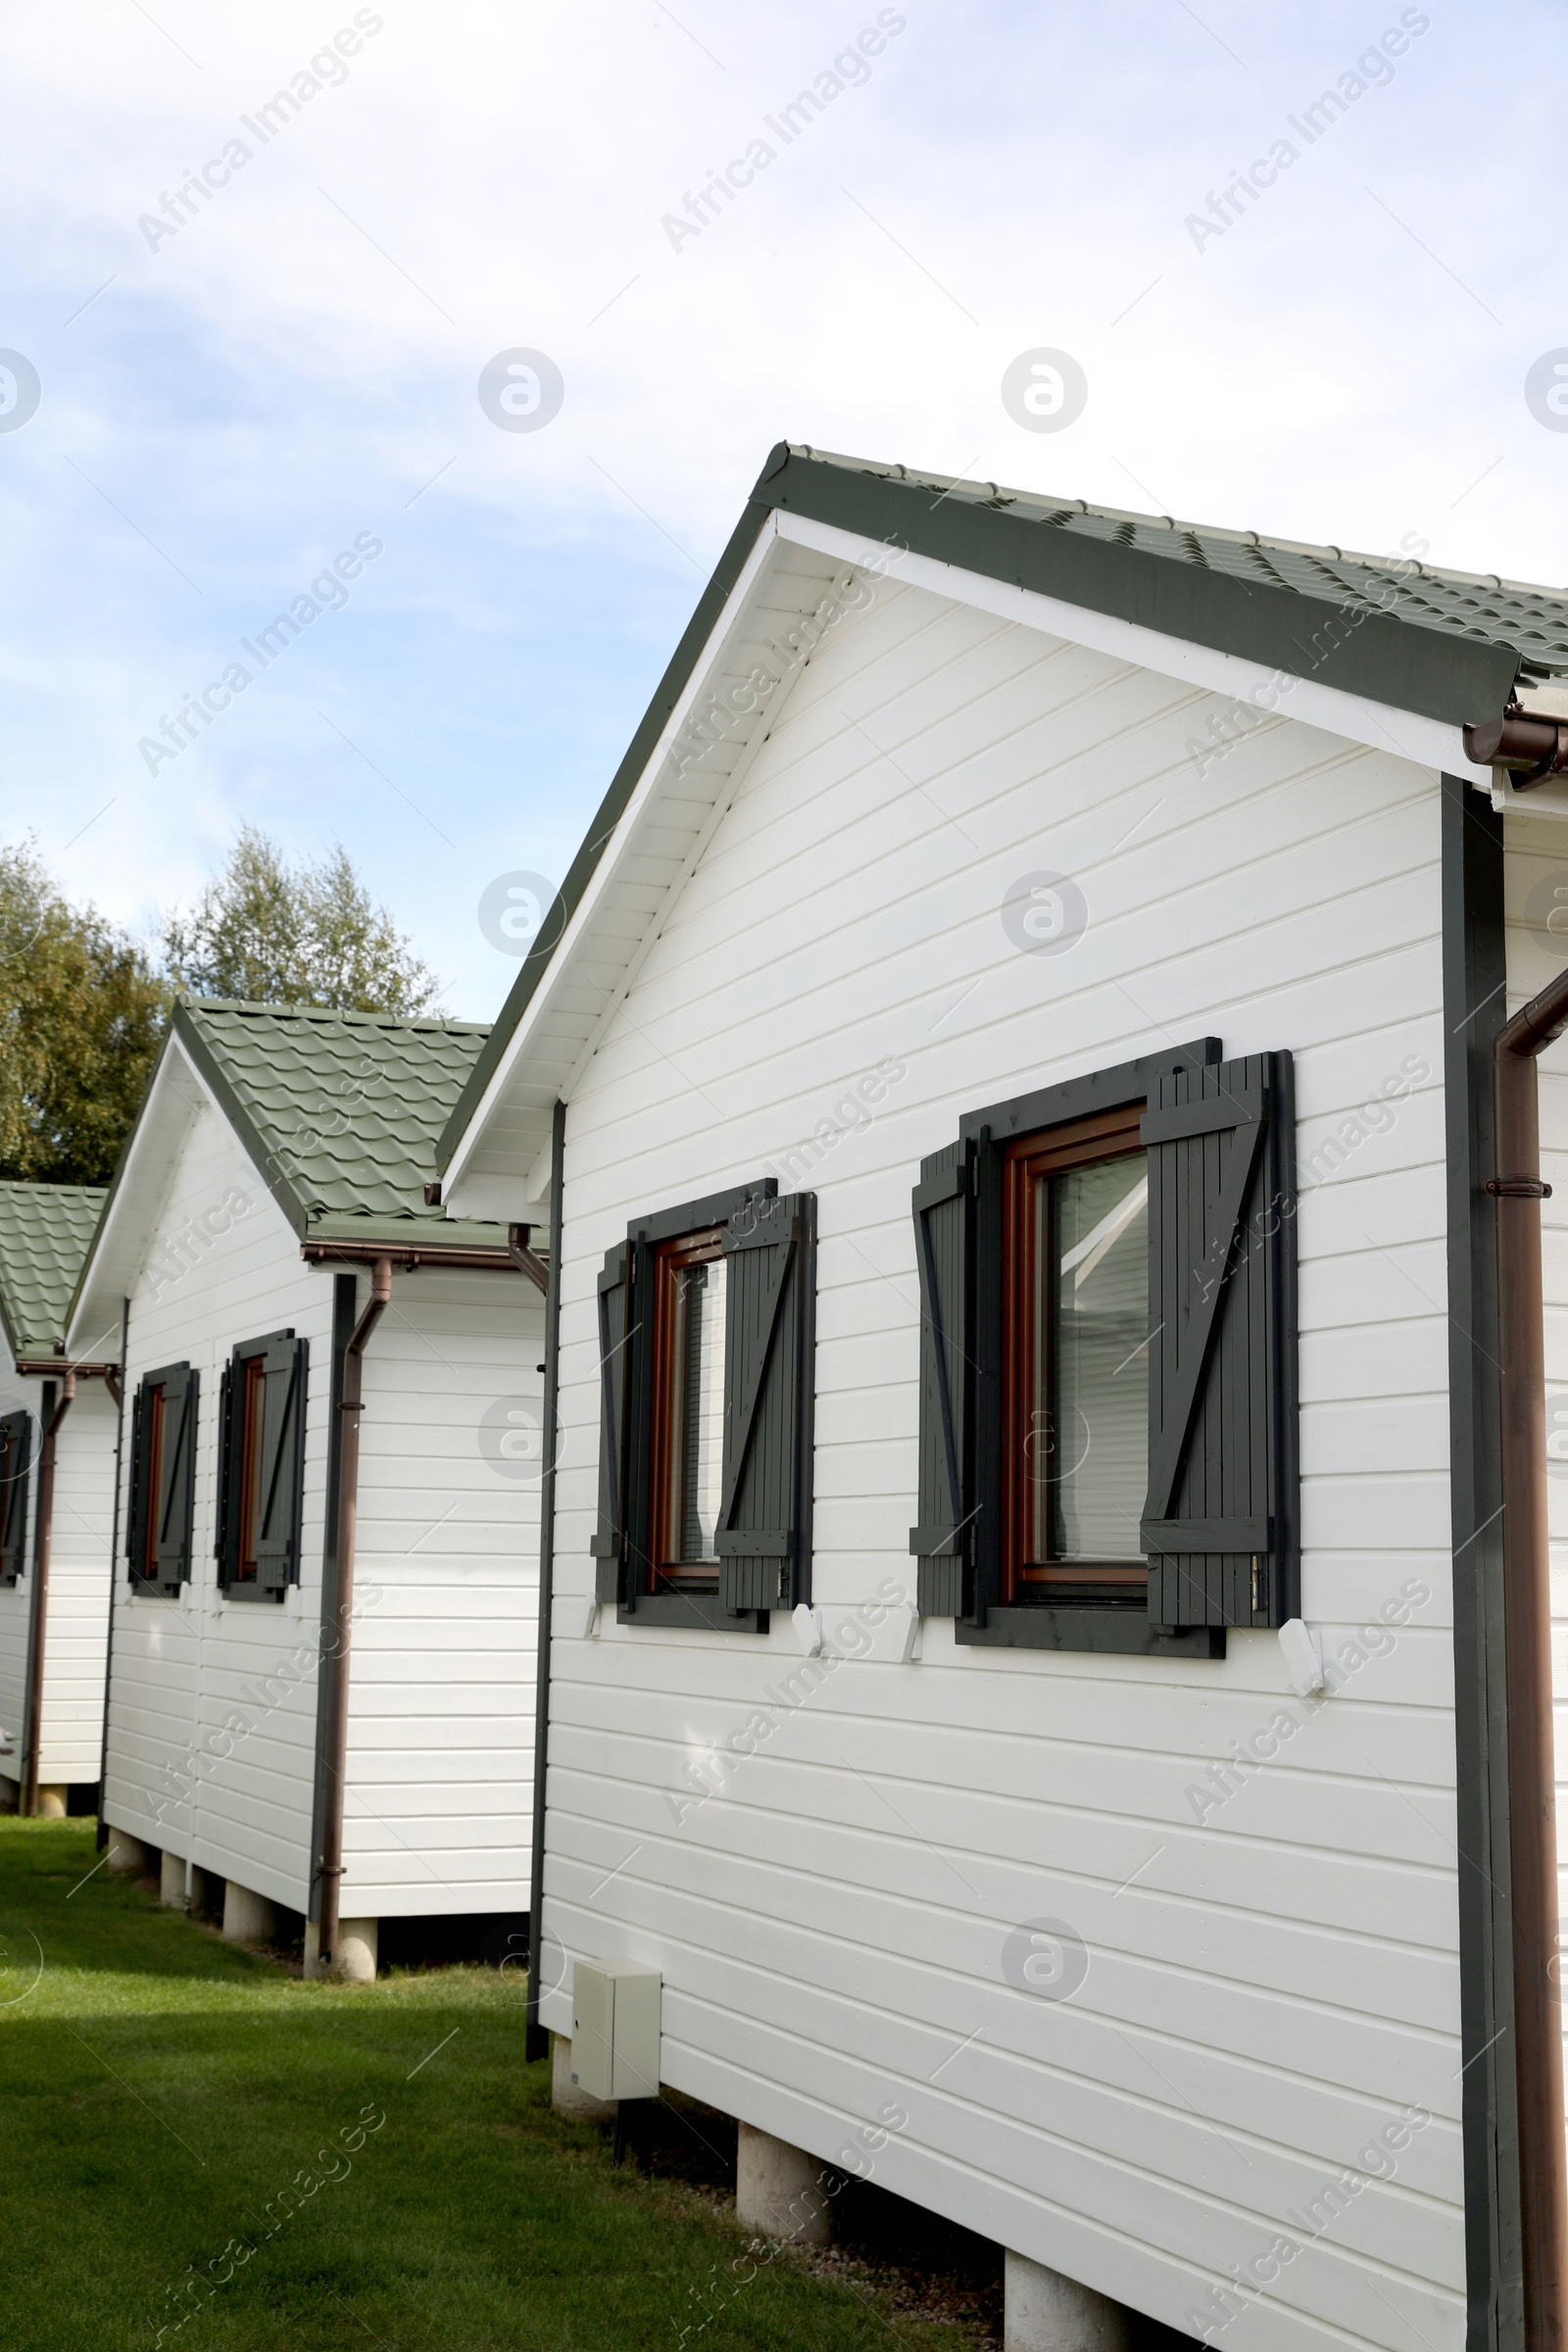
<point x="811" y="544"/>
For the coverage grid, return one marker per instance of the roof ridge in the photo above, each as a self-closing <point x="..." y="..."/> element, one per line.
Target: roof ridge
<point x="331" y="1013"/>
<point x="951" y="484"/>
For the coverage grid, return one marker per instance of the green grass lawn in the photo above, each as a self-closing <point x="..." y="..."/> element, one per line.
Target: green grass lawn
<point x="167" y="2098"/>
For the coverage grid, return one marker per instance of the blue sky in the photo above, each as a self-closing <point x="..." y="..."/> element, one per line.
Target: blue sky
<point x="236" y="402"/>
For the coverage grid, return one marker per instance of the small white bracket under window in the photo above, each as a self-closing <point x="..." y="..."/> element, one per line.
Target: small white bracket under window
<point x="1303" y="1659"/>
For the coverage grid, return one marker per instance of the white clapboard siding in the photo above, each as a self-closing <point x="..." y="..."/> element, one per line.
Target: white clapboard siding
<point x="1272" y="1976"/>
<point x="214" y="1700"/>
<point x="77" y="1627"/>
<point x="1535" y="866"/>
<point x="212" y="1738"/>
<point x="438" y="1815"/>
<point x="78" y="1621"/>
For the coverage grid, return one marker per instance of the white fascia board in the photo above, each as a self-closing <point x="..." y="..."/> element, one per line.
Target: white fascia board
<point x="178" y="1095"/>
<point x="583" y="915"/>
<point x="1429" y="742"/>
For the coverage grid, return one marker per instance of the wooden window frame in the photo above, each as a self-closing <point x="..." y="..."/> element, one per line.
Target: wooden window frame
<point x="702" y="1246"/>
<point x="1054" y="1151"/>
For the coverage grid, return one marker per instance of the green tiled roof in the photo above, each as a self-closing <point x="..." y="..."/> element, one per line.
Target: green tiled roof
<point x="44" y="1233"/>
<point x="1443" y="644"/>
<point x="340" y="1110"/>
<point x="1463" y="604"/>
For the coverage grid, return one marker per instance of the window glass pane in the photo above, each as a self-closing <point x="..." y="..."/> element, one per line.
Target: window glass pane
<point x="1093" y="1253"/>
<point x="697" y="1420"/>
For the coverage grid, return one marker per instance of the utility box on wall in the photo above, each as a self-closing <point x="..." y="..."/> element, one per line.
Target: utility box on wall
<point x="614" y="2030"/>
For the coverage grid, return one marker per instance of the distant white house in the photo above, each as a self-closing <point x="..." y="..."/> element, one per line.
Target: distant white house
<point x="326" y="1381"/>
<point x="59" y="1427"/>
<point x="1044" y="1620"/>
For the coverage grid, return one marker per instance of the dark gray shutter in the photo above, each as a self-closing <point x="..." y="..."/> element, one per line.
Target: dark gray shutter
<point x="230" y="1472"/>
<point x="944" y="1203"/>
<point x="609" y="1544"/>
<point x="136" y="1511"/>
<point x="16" y="1447"/>
<point x="177" y="1479"/>
<point x="764" y="1533"/>
<point x="1220" y="1521"/>
<point x="282" y="1461"/>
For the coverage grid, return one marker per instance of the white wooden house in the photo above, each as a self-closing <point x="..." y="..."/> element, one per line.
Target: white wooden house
<point x="59" y="1427"/>
<point x="1034" y="1548"/>
<point x="325" y="1602"/>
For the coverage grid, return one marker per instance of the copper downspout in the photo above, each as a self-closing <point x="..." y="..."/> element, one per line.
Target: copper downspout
<point x="351" y="1406"/>
<point x="39" y="1627"/>
<point x="1527" y="1616"/>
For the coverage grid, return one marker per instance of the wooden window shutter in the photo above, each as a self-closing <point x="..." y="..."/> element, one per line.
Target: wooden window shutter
<point x="763" y="1534"/>
<point x="1220" y="1523"/>
<point x="176" y="1484"/>
<point x="609" y="1544"/>
<point x="16" y="1446"/>
<point x="230" y="1434"/>
<point x="282" y="1461"/>
<point x="943" y="1541"/>
<point x="136" y="1510"/>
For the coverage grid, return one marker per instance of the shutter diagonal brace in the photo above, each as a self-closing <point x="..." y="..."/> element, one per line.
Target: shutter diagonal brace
<point x="1165" y="1469"/>
<point x="753" y="1390"/>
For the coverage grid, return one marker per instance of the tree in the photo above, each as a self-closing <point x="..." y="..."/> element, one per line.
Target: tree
<point x="81" y="1012"/>
<point x="278" y="933"/>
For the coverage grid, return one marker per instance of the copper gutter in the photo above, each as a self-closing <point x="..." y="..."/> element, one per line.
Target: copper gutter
<point x="37" y="1624"/>
<point x="1527" y="1615"/>
<point x="1531" y="749"/>
<point x="409" y="1255"/>
<point x="351" y="1405"/>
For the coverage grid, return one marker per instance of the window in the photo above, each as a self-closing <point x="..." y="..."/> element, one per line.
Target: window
<point x="163" y="1459"/>
<point x="1108" y="1360"/>
<point x="1076" y="1393"/>
<point x="262" y="1420"/>
<point x="705" y="1333"/>
<point x="15" y="1451"/>
<point x="690" y="1287"/>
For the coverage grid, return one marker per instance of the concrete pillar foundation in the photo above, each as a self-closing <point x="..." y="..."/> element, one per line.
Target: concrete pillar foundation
<point x="356" y="1955"/>
<point x="779" y="2190"/>
<point x="356" y="1961"/>
<point x="10" y="1793"/>
<point x="566" y="2098"/>
<point x="51" y="1804"/>
<point x="126" y="1854"/>
<point x="172" y="1880"/>
<point x="247" y="1917"/>
<point x="1048" y="2313"/>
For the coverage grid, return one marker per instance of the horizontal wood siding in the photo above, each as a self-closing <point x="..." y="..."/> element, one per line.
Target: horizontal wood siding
<point x="213" y="1715"/>
<point x="1273" y="1959"/>
<point x="78" y="1589"/>
<point x="212" y="1718"/>
<point x="441" y="1726"/>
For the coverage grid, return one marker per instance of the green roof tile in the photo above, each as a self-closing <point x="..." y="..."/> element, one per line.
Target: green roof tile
<point x="340" y="1110"/>
<point x="44" y="1233"/>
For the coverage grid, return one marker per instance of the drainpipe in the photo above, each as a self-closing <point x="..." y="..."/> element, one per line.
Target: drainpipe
<point x="1527" y="1615"/>
<point x="39" y="1616"/>
<point x="537" y="2039"/>
<point x="351" y="1406"/>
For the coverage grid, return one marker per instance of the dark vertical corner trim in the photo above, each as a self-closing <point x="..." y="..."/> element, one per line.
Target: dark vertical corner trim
<point x="345" y="1301"/>
<point x="1474" y="1008"/>
<point x="537" y="2039"/>
<point x="114" y="1557"/>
